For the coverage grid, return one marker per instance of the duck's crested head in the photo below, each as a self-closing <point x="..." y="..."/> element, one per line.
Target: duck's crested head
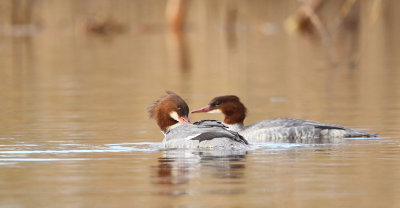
<point x="169" y="110"/>
<point x="229" y="105"/>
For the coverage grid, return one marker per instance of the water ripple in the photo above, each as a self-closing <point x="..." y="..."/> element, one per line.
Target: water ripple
<point x="19" y="152"/>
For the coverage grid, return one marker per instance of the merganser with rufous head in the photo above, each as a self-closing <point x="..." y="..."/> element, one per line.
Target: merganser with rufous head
<point x="277" y="129"/>
<point x="171" y="114"/>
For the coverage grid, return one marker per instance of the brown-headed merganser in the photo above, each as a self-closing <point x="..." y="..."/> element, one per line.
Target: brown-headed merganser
<point x="277" y="129"/>
<point x="171" y="113"/>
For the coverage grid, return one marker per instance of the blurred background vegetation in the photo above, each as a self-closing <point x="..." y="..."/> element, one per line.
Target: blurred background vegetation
<point x="339" y="26"/>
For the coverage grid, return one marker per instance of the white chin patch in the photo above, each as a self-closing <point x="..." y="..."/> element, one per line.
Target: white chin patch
<point x="174" y="115"/>
<point x="215" y="111"/>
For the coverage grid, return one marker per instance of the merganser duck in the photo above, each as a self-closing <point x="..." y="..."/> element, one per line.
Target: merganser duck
<point x="171" y="113"/>
<point x="277" y="129"/>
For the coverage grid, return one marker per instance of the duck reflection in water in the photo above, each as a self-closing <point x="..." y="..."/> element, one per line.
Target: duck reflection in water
<point x="178" y="167"/>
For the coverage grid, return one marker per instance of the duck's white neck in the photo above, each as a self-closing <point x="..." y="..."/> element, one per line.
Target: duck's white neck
<point x="235" y="127"/>
<point x="171" y="127"/>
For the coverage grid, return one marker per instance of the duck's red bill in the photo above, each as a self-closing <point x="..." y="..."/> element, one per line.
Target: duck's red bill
<point x="184" y="120"/>
<point x="202" y="110"/>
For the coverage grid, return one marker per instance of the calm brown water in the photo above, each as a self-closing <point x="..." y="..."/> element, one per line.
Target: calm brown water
<point x="74" y="130"/>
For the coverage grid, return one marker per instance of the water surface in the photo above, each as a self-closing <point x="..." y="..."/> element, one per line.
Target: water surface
<point x="74" y="130"/>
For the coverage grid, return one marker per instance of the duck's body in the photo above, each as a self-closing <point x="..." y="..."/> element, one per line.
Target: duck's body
<point x="171" y="112"/>
<point x="295" y="130"/>
<point x="277" y="129"/>
<point x="207" y="134"/>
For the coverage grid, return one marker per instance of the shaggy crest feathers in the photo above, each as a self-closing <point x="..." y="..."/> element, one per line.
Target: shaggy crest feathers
<point x="161" y="109"/>
<point x="152" y="109"/>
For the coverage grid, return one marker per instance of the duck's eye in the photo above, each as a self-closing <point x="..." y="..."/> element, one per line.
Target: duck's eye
<point x="180" y="110"/>
<point x="217" y="103"/>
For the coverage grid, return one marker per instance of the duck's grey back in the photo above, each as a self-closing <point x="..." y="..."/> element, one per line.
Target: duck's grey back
<point x="208" y="134"/>
<point x="299" y="131"/>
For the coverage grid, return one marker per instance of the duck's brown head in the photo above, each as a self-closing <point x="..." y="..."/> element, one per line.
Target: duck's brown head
<point x="169" y="110"/>
<point x="229" y="105"/>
